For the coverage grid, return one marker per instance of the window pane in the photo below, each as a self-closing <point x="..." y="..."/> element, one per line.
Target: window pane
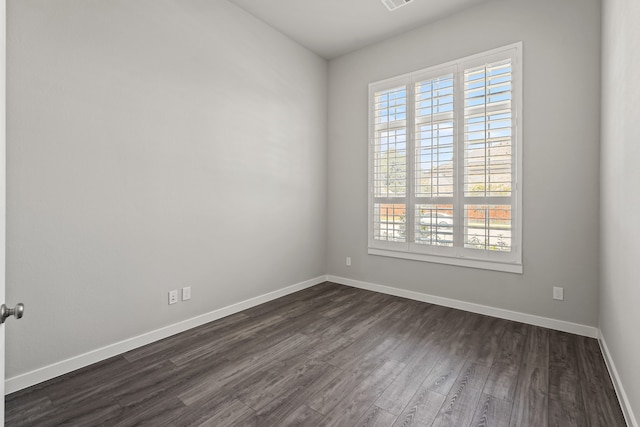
<point x="487" y="168"/>
<point x="434" y="160"/>
<point x="390" y="143"/>
<point x="488" y="131"/>
<point x="487" y="227"/>
<point x="434" y="96"/>
<point x="390" y="163"/>
<point x="434" y="225"/>
<point x="390" y="105"/>
<point x="389" y="222"/>
<point x="434" y="137"/>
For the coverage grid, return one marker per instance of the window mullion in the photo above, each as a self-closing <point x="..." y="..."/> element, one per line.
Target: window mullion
<point x="411" y="150"/>
<point x="458" y="159"/>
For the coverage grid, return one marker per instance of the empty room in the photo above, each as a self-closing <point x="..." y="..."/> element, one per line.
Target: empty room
<point x="321" y="213"/>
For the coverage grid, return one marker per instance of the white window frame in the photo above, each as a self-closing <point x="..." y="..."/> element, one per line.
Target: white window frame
<point x="457" y="255"/>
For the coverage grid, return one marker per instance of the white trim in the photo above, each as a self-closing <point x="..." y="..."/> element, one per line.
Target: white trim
<point x="3" y="183"/>
<point x="458" y="254"/>
<point x="436" y="68"/>
<point x="627" y="411"/>
<point x="45" y="373"/>
<point x="488" y="264"/>
<point x="65" y="366"/>
<point x="545" y="322"/>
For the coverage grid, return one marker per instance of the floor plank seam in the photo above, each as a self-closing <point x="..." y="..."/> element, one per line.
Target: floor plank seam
<point x="332" y="355"/>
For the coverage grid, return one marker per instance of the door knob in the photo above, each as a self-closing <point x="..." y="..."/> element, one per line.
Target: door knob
<point x="17" y="311"/>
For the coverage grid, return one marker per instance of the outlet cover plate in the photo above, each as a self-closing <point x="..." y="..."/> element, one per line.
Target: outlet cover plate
<point x="173" y="296"/>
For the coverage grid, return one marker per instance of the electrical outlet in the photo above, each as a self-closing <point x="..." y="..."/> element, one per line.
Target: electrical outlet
<point x="348" y="261"/>
<point x="186" y="293"/>
<point x="173" y="296"/>
<point x="558" y="293"/>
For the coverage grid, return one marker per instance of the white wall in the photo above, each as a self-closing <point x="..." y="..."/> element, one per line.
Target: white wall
<point x="154" y="144"/>
<point x="620" y="192"/>
<point x="561" y="42"/>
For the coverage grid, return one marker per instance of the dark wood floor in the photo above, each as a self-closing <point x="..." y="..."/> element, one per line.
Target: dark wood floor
<point x="335" y="355"/>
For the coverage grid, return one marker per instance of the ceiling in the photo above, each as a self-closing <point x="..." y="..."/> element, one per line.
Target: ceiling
<point x="331" y="28"/>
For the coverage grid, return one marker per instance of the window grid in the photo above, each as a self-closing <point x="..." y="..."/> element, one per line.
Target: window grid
<point x="390" y="165"/>
<point x="488" y="156"/>
<point x="443" y="163"/>
<point x="434" y="225"/>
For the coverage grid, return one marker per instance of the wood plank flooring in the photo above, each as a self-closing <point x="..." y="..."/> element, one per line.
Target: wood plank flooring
<point x="332" y="355"/>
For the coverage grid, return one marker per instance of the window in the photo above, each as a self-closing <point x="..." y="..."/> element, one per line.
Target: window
<point x="445" y="163"/>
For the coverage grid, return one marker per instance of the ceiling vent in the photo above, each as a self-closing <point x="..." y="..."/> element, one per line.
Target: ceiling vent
<point x="394" y="4"/>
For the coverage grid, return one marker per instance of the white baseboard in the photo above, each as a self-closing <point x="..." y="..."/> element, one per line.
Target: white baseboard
<point x="560" y="325"/>
<point x="65" y="366"/>
<point x="617" y="383"/>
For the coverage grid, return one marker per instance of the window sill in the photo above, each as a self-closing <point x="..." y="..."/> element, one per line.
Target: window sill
<point x="506" y="267"/>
